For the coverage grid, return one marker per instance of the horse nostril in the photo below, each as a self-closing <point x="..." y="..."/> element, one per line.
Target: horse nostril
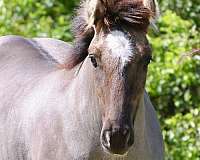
<point x="130" y="139"/>
<point x="126" y="132"/>
<point x="117" y="140"/>
<point x="106" y="138"/>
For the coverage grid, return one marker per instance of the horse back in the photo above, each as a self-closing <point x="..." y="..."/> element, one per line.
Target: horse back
<point x="25" y="66"/>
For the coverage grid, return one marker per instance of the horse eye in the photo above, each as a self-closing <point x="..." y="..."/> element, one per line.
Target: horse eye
<point x="148" y="59"/>
<point x="93" y="60"/>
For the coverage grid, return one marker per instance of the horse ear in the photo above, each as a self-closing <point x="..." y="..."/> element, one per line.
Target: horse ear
<point x="152" y="5"/>
<point x="95" y="10"/>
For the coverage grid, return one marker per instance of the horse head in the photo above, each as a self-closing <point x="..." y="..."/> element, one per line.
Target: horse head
<point x="115" y="31"/>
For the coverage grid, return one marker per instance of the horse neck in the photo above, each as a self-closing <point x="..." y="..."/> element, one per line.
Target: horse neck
<point x="86" y="101"/>
<point x="148" y="137"/>
<point x="84" y="83"/>
<point x="140" y="121"/>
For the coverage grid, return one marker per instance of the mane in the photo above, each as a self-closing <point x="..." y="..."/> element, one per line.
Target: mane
<point x="128" y="13"/>
<point x="136" y="13"/>
<point x="83" y="37"/>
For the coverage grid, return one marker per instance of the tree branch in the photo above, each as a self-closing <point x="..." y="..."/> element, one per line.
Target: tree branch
<point x="190" y="54"/>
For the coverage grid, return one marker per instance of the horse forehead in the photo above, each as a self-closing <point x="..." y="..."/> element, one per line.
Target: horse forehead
<point x="119" y="46"/>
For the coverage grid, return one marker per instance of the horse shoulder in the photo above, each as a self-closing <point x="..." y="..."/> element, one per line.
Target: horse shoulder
<point x="23" y="65"/>
<point x="28" y="79"/>
<point x="21" y="62"/>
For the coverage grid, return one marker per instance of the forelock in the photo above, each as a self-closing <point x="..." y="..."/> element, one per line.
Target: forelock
<point x="120" y="46"/>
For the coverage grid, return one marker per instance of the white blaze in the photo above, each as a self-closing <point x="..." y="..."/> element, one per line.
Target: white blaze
<point x="120" y="46"/>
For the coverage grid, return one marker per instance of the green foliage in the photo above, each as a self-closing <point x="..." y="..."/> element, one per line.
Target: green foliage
<point x="174" y="86"/>
<point x="187" y="9"/>
<point x="41" y="18"/>
<point x="182" y="136"/>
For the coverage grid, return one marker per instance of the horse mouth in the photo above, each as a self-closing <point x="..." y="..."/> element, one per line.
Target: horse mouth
<point x="115" y="144"/>
<point x="107" y="150"/>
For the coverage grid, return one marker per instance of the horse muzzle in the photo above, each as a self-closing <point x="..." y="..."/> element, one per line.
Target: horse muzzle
<point x="117" y="140"/>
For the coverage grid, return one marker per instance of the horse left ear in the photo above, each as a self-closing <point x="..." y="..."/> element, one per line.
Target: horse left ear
<point x="152" y="5"/>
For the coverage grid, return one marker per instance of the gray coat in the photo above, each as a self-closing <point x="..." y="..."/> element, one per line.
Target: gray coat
<point x="49" y="113"/>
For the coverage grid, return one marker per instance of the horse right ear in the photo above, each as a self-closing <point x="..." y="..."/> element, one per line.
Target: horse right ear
<point x="89" y="12"/>
<point x="95" y="11"/>
<point x="152" y="5"/>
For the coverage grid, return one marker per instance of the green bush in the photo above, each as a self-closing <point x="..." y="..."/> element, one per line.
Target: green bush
<point x="184" y="8"/>
<point x="174" y="86"/>
<point x="41" y="18"/>
<point x="182" y="136"/>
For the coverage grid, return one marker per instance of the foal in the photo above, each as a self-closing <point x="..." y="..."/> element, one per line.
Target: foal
<point x="87" y="101"/>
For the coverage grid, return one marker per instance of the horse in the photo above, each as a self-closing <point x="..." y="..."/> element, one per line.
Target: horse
<point x="85" y="101"/>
